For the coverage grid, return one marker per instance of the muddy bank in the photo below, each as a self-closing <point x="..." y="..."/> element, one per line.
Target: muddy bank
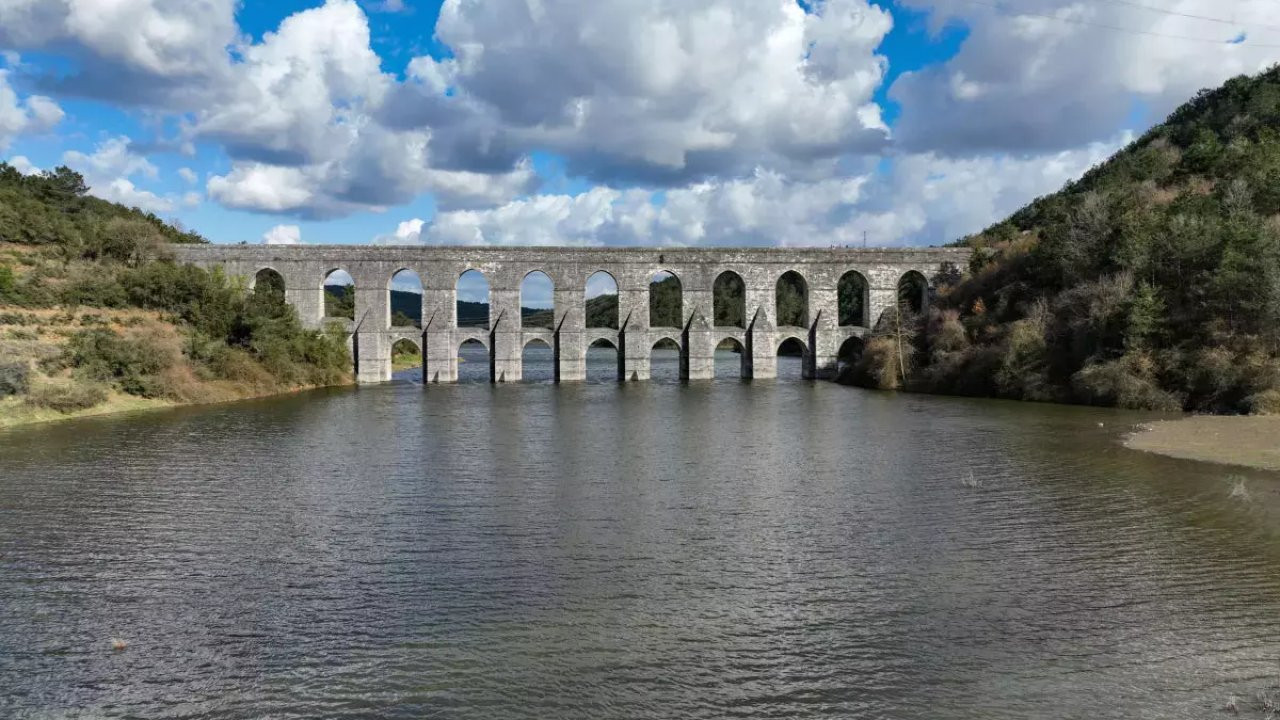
<point x="1232" y="440"/>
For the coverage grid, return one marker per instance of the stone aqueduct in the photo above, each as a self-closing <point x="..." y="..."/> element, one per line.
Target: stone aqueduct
<point x="304" y="269"/>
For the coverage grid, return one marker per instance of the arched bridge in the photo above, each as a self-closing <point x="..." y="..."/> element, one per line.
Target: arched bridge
<point x="872" y="277"/>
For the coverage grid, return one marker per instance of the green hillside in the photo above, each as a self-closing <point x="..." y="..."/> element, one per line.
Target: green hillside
<point x="94" y="316"/>
<point x="1151" y="282"/>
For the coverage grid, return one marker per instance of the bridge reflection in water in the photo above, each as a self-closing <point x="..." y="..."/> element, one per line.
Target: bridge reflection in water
<point x="749" y="311"/>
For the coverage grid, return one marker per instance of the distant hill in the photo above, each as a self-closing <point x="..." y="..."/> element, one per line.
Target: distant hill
<point x="1151" y="282"/>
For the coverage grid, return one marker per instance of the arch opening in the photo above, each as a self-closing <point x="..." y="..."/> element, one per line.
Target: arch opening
<point x="537" y="301"/>
<point x="475" y="364"/>
<point x="473" y="299"/>
<point x="666" y="300"/>
<point x="604" y="362"/>
<point x="791" y="302"/>
<point x="404" y="299"/>
<point x="792" y="355"/>
<point x="913" y="292"/>
<point x="853" y="297"/>
<point x="538" y="362"/>
<point x="729" y="300"/>
<point x="339" y="295"/>
<point x="602" y="301"/>
<point x="848" y="356"/>
<point x="664" y="360"/>
<point x="267" y="283"/>
<point x="731" y="360"/>
<point x="406" y="355"/>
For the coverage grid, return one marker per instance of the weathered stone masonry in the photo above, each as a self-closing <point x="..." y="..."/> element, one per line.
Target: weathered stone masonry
<point x="304" y="268"/>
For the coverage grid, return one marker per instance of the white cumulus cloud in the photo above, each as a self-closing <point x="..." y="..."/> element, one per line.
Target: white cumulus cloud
<point x="1057" y="74"/>
<point x="283" y="235"/>
<point x="35" y="114"/>
<point x="650" y="90"/>
<point x="109" y="170"/>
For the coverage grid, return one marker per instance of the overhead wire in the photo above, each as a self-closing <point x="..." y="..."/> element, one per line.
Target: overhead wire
<point x="1133" y="31"/>
<point x="1193" y="16"/>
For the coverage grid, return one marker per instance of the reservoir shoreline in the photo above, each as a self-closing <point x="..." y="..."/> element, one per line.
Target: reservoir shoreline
<point x="1251" y="441"/>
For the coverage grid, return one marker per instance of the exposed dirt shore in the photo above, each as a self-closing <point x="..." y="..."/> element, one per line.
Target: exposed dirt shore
<point x="1232" y="440"/>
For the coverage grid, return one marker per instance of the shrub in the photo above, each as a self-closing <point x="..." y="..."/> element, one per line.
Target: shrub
<point x="1266" y="402"/>
<point x="66" y="397"/>
<point x="1122" y="383"/>
<point x="8" y="285"/>
<point x="132" y="241"/>
<point x="878" y="367"/>
<point x="93" y="287"/>
<point x="132" y="363"/>
<point x="15" y="379"/>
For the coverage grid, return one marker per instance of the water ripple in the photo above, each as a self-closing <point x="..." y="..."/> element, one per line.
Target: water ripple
<point x="772" y="549"/>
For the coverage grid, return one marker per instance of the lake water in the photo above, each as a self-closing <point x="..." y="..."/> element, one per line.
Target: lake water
<point x="651" y="550"/>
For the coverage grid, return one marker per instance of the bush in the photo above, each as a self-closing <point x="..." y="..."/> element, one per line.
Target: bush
<point x="1266" y="402"/>
<point x="8" y="285"/>
<point x="66" y="397"/>
<point x="878" y="368"/>
<point x="15" y="379"/>
<point x="1122" y="383"/>
<point x="134" y="364"/>
<point x="93" y="287"/>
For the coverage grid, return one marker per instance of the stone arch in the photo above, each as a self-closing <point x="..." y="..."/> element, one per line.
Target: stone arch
<point x="473" y="299"/>
<point x="789" y="338"/>
<point x="791" y="300"/>
<point x="913" y="291"/>
<point x="407" y="354"/>
<point x="473" y="340"/>
<point x="725" y="367"/>
<point x="404" y="298"/>
<point x="267" y="280"/>
<point x="787" y="348"/>
<point x="609" y="339"/>
<point x="338" y="295"/>
<point x="602" y="300"/>
<point x="666" y="359"/>
<point x="474" y="360"/>
<point x="537" y="300"/>
<point x="599" y="372"/>
<point x="853" y="299"/>
<point x="849" y="354"/>
<point x="729" y="300"/>
<point x="666" y="300"/>
<point x="537" y="361"/>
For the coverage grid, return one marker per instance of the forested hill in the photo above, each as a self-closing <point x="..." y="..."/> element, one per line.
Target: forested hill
<point x="94" y="316"/>
<point x="54" y="209"/>
<point x="1153" y="281"/>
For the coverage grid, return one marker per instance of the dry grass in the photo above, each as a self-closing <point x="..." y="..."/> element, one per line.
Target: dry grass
<point x="15" y="411"/>
<point x="33" y="335"/>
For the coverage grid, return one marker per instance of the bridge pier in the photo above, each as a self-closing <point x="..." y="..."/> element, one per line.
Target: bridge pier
<point x="507" y="347"/>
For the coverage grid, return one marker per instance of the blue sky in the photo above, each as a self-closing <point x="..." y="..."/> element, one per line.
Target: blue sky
<point x="747" y="122"/>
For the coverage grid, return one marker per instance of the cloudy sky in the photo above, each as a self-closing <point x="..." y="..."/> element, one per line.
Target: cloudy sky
<point x="583" y="122"/>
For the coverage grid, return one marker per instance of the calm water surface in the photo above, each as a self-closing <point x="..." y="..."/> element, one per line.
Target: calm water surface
<point x="755" y="550"/>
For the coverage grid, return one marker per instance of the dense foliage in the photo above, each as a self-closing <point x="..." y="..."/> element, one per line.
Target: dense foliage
<point x="1153" y="281"/>
<point x="54" y="209"/>
<point x="666" y="300"/>
<point x="67" y="250"/>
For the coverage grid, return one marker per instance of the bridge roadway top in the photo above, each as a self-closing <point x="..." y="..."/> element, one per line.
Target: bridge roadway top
<point x="572" y="255"/>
